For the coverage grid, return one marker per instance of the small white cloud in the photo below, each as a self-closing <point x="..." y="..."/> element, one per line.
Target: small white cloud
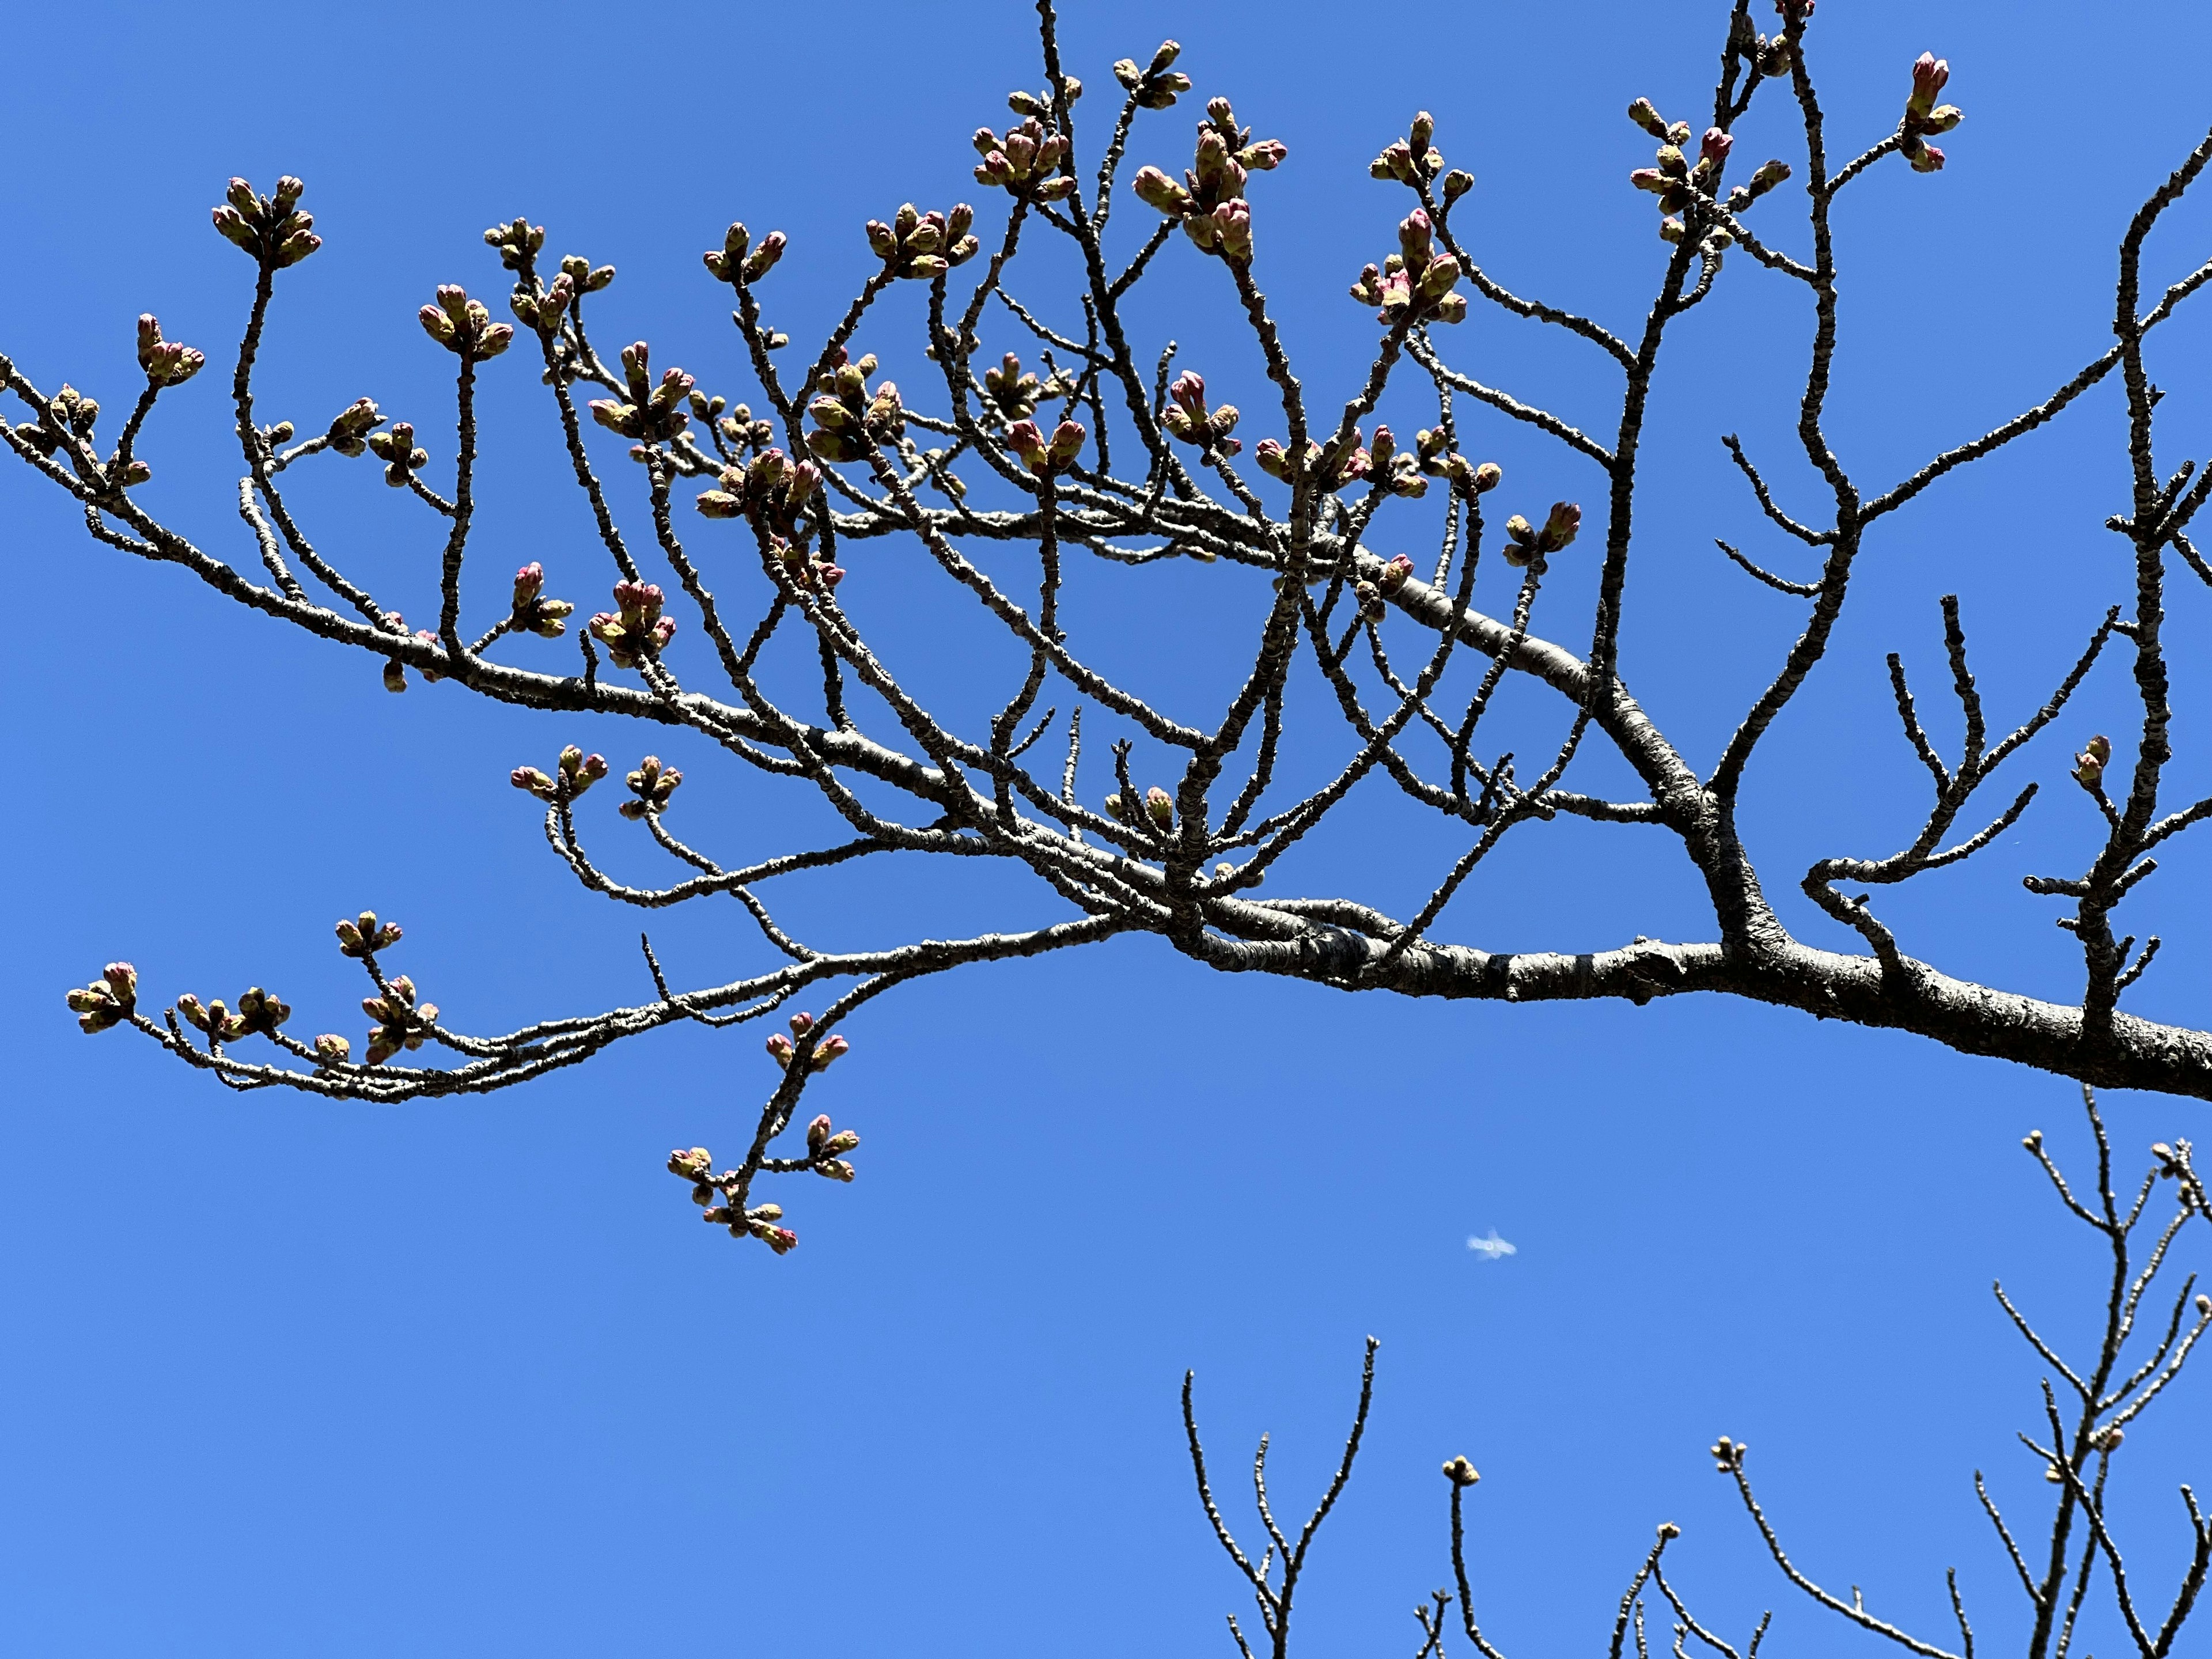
<point x="1492" y="1248"/>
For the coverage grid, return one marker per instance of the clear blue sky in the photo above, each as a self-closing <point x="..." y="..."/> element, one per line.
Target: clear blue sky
<point x="282" y="1377"/>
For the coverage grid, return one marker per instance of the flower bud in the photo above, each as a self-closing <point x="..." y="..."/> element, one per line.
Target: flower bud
<point x="834" y="1048"/>
<point x="1159" y="806"/>
<point x="1457" y="183"/>
<point x="332" y="1050"/>
<point x="1645" y="115"/>
<point x="1460" y="1471"/>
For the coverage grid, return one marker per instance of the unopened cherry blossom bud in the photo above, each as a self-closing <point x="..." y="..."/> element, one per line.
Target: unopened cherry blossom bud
<point x="1232" y="224"/>
<point x="779" y="1048"/>
<point x="1159" y="806"/>
<point x="1461" y="1473"/>
<point x="332" y="1050"/>
<point x="1156" y="190"/>
<point x="1930" y="76"/>
<point x="832" y="1049"/>
<point x="1457" y="183"/>
<point x="1715" y="147"/>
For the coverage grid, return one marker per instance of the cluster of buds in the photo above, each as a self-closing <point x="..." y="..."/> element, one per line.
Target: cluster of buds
<point x="1158" y="84"/>
<point x="1157" y="805"/>
<point x="395" y="671"/>
<point x="826" y="1146"/>
<point x="2089" y="765"/>
<point x="401" y="1021"/>
<point x="652" y="413"/>
<point x="583" y="276"/>
<point x="262" y="1011"/>
<point x="348" y="432"/>
<point x="1525" y="546"/>
<point x="636" y="629"/>
<point x="576" y="772"/>
<point x="652" y="785"/>
<point x="1437" y="458"/>
<point x="76" y="411"/>
<point x="1676" y="180"/>
<point x="269" y="228"/>
<point x="1188" y="417"/>
<point x="1014" y="395"/>
<point x="1024" y="161"/>
<point x="1395" y="469"/>
<point x="697" y="1165"/>
<point x="533" y="613"/>
<point x="1728" y="1454"/>
<point x="781" y="1051"/>
<point x="518" y="243"/>
<point x="924" y="245"/>
<point x="464" y="327"/>
<point x="1395" y="574"/>
<point x="848" y="422"/>
<point x="1461" y="1473"/>
<point x="737" y="261"/>
<point x="544" y="312"/>
<point x="2174" y="1164"/>
<point x="1923" y="115"/>
<point x="396" y="448"/>
<point x="772" y="491"/>
<point x="215" y="1018"/>
<point x="1371" y="595"/>
<point x="1046" y="457"/>
<point x="108" y="1000"/>
<point x="1413" y="285"/>
<point x="1414" y="160"/>
<point x="810" y="572"/>
<point x="758" y="1222"/>
<point x="1330" y="469"/>
<point x="364" y="935"/>
<point x="332" y="1050"/>
<point x="1210" y="202"/>
<point x="741" y="431"/>
<point x="166" y="363"/>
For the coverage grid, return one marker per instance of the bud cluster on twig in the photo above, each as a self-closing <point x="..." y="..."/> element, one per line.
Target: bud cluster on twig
<point x="1210" y="203"/>
<point x="1188" y="417"/>
<point x="920" y="245"/>
<point x="772" y="492"/>
<point x="636" y="629"/>
<point x="1923" y="115"/>
<point x="1415" y="160"/>
<point x="1158" y="85"/>
<point x="1415" y="284"/>
<point x="651" y="785"/>
<point x="652" y="413"/>
<point x="108" y="1000"/>
<point x="573" y="773"/>
<point x="269" y="228"/>
<point x="165" y="362"/>
<point x="848" y="421"/>
<point x="738" y="261"/>
<point x="1525" y="545"/>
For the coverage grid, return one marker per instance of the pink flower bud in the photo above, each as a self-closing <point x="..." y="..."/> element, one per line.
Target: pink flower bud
<point x="1716" y="147"/>
<point x="1930" y="76"/>
<point x="779" y="1048"/>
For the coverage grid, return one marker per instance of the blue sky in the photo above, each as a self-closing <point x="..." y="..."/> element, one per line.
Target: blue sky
<point x="288" y="1377"/>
